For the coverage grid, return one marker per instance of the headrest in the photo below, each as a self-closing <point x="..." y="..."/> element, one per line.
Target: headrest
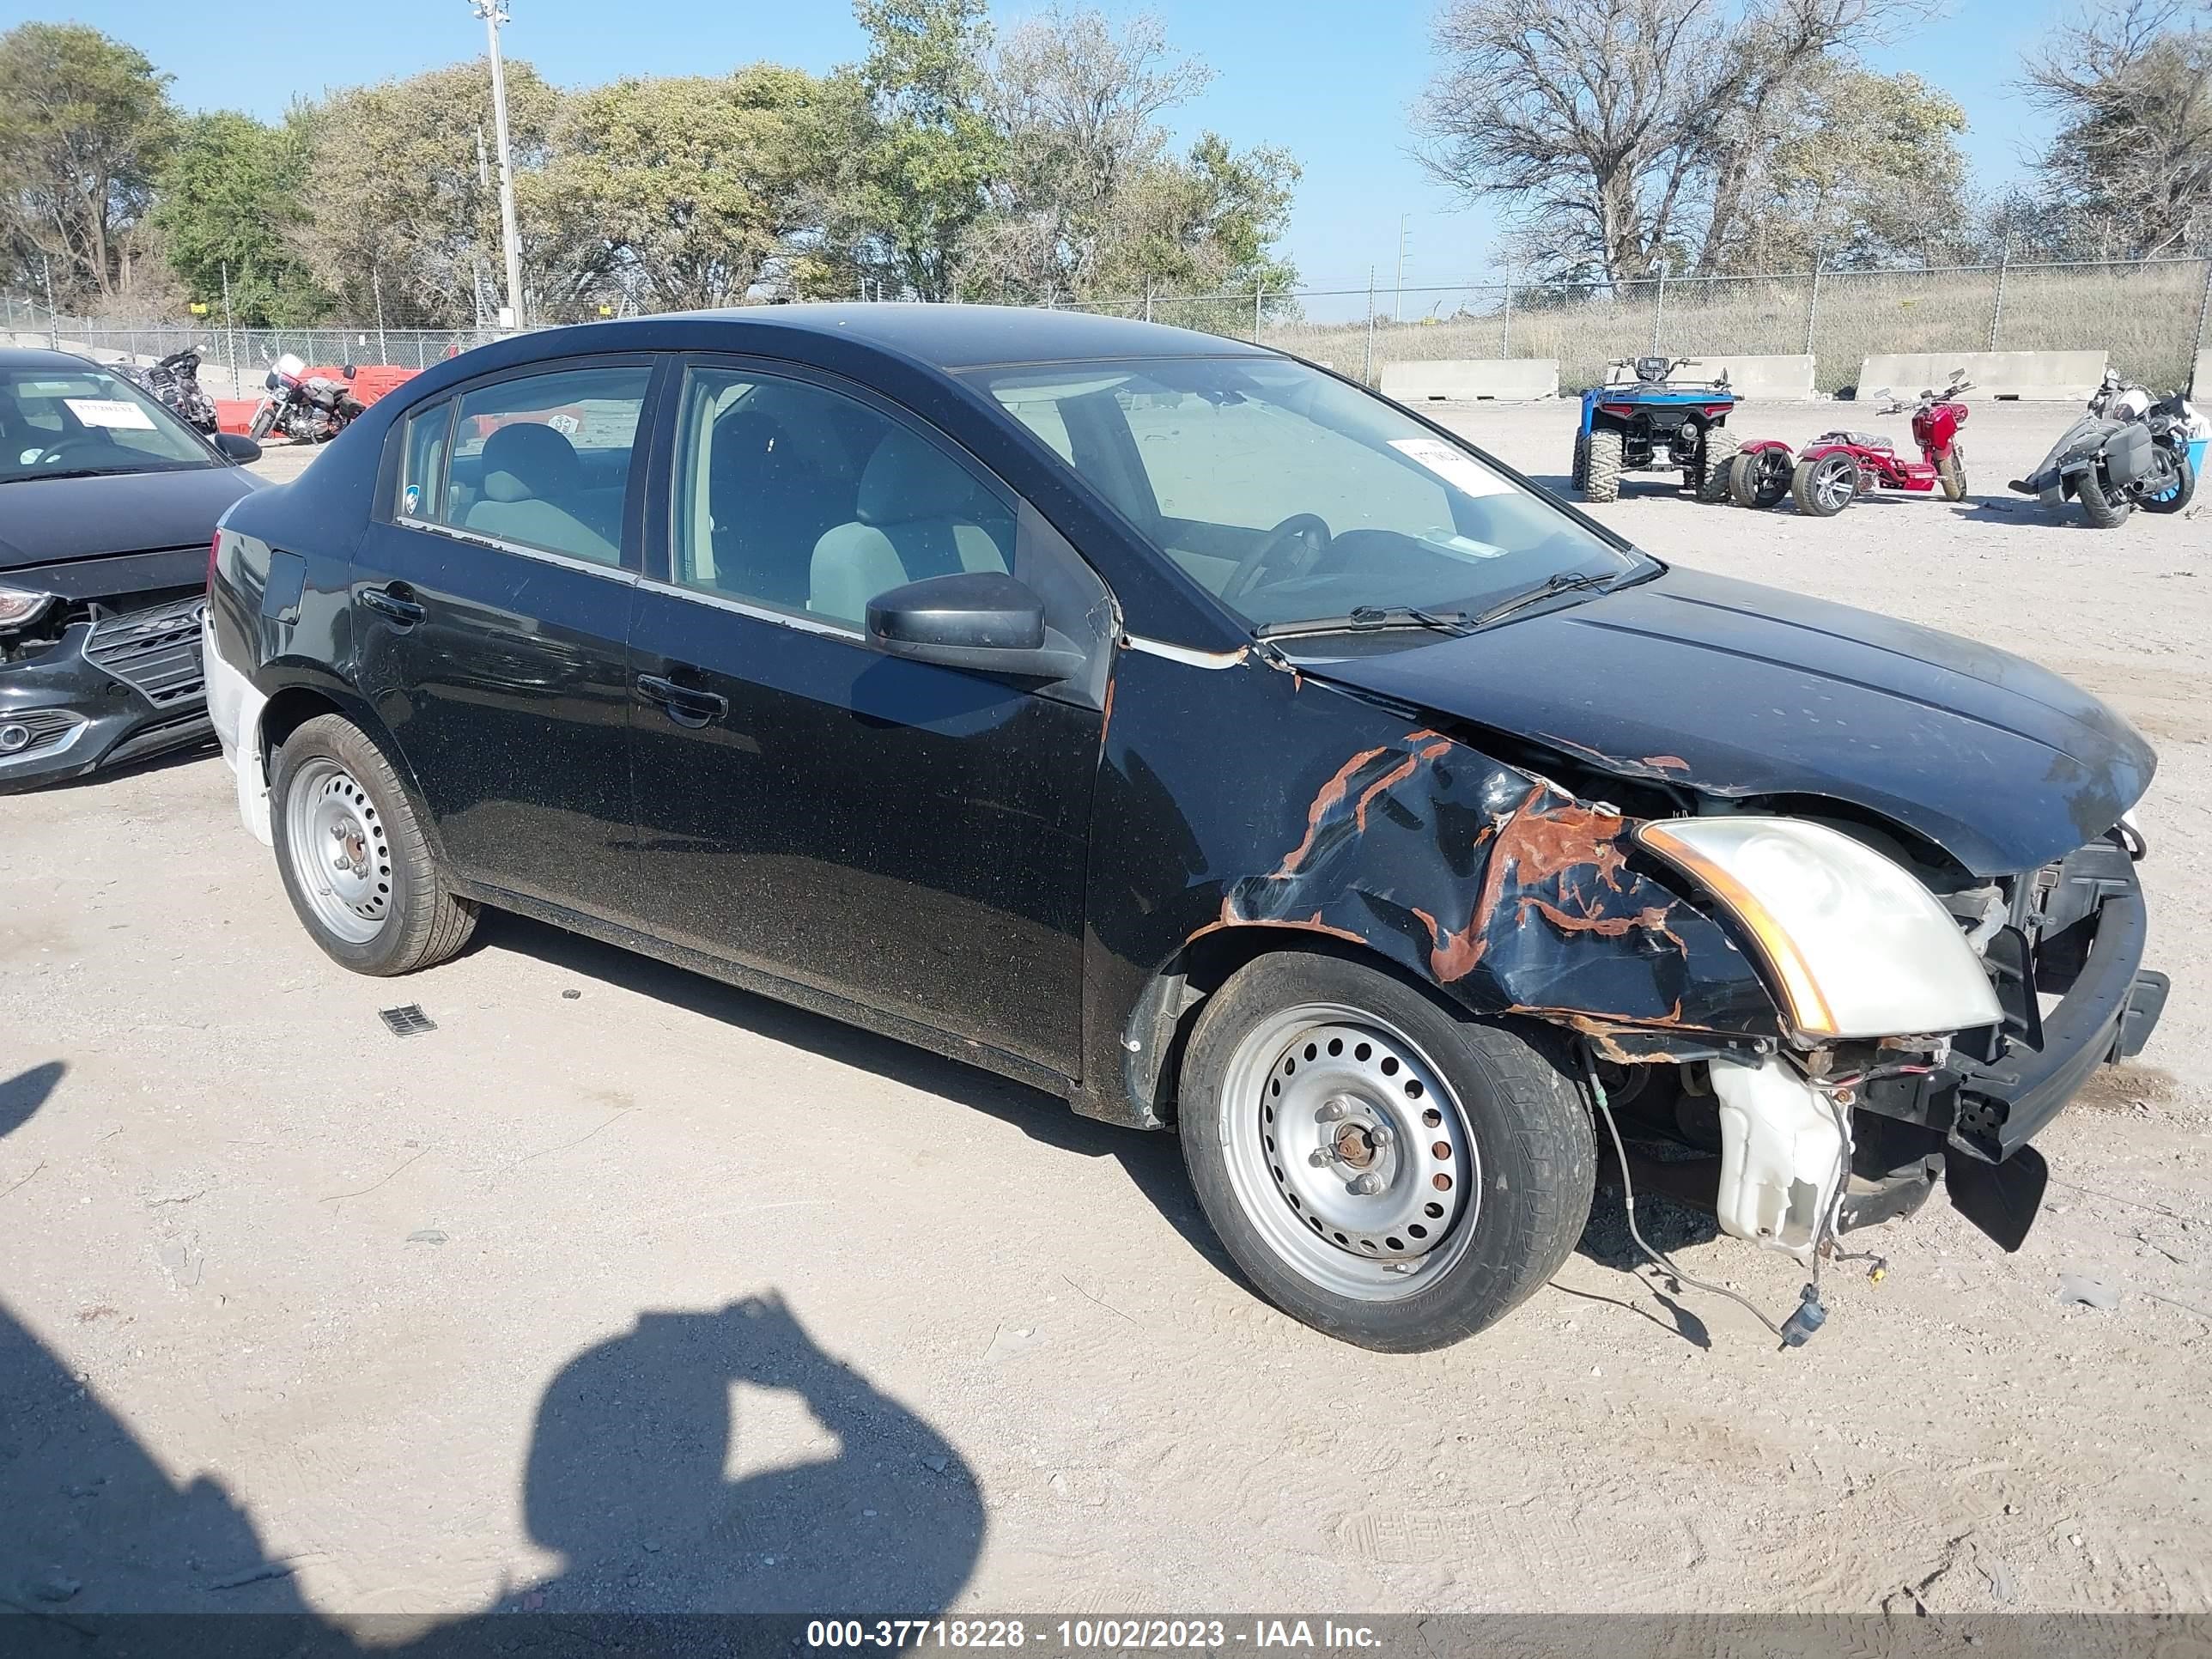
<point x="524" y="459"/>
<point x="907" y="479"/>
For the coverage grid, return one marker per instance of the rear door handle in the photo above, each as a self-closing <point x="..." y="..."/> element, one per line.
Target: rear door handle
<point x="395" y="600"/>
<point x="680" y="703"/>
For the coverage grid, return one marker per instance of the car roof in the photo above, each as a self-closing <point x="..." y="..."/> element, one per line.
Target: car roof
<point x="40" y="357"/>
<point x="957" y="337"/>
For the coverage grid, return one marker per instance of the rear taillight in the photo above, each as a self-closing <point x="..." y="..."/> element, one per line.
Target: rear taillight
<point x="215" y="546"/>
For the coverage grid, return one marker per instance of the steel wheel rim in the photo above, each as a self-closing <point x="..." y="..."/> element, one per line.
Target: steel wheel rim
<point x="1304" y="1095"/>
<point x="340" y="853"/>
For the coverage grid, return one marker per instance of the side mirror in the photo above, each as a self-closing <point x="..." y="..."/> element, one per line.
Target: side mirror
<point x="979" y="620"/>
<point x="346" y="369"/>
<point x="236" y="446"/>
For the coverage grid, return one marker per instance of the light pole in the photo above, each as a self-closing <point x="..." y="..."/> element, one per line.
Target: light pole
<point x="493" y="13"/>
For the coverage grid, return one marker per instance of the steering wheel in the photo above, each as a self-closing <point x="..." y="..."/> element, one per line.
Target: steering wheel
<point x="1308" y="531"/>
<point x="71" y="448"/>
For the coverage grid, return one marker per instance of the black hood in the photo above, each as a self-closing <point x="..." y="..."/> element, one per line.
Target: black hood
<point x="1733" y="690"/>
<point x="46" y="522"/>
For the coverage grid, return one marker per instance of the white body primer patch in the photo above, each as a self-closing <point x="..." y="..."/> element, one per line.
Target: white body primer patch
<point x="1460" y="471"/>
<point x="110" y="412"/>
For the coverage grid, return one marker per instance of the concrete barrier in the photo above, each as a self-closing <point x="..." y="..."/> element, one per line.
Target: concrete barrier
<point x="2031" y="377"/>
<point x="1759" y="377"/>
<point x="2200" y="384"/>
<point x="1468" y="381"/>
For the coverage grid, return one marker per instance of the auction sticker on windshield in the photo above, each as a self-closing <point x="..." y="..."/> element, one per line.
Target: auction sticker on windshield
<point x="1461" y="471"/>
<point x="110" y="412"/>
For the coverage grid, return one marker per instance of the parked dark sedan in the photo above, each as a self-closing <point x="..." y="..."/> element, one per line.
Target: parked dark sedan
<point x="1189" y="733"/>
<point x="108" y="505"/>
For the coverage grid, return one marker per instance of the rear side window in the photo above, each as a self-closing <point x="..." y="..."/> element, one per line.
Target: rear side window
<point x="540" y="460"/>
<point x="422" y="446"/>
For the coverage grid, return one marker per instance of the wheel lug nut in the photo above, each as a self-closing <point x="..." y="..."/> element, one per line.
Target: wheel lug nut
<point x="1365" y="1186"/>
<point x="1379" y="1133"/>
<point x="1318" y="1157"/>
<point x="1330" y="1110"/>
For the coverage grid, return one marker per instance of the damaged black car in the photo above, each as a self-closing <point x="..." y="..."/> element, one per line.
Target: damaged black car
<point x="108" y="504"/>
<point x="1184" y="729"/>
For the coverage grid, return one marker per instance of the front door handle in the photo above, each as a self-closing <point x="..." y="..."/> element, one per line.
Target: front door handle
<point x="682" y="704"/>
<point x="395" y="600"/>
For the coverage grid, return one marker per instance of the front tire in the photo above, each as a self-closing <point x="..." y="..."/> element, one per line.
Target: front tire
<point x="1601" y="467"/>
<point x="263" y="418"/>
<point x="1381" y="1167"/>
<point x="2104" y="511"/>
<point x="354" y="858"/>
<point x="1951" y="473"/>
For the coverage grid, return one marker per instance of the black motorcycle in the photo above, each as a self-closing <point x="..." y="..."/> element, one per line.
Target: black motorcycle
<point x="175" y="381"/>
<point x="308" y="409"/>
<point x="2116" y="456"/>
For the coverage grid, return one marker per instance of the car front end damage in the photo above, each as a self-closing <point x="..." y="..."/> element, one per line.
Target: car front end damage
<point x="1821" y="1019"/>
<point x="100" y="664"/>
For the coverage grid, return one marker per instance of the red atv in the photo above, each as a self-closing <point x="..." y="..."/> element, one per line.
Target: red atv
<point x="1837" y="467"/>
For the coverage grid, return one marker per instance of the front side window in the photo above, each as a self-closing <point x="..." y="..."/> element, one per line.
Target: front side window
<point x="541" y="460"/>
<point x="77" y="421"/>
<point x="1293" y="496"/>
<point x="791" y="495"/>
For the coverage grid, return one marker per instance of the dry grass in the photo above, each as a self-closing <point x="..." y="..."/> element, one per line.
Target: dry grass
<point x="2144" y="316"/>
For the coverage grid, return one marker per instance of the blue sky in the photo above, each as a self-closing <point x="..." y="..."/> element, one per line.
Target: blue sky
<point x="1335" y="84"/>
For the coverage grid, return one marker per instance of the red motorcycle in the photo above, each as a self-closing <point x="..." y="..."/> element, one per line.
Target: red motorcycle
<point x="1836" y="468"/>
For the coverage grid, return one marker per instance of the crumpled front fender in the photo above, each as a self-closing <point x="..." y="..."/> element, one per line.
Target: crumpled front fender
<point x="1504" y="891"/>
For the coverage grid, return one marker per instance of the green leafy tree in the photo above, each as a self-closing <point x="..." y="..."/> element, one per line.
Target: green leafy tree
<point x="230" y="201"/>
<point x="690" y="187"/>
<point x="923" y="146"/>
<point x="397" y="203"/>
<point x="85" y="124"/>
<point x="1860" y="170"/>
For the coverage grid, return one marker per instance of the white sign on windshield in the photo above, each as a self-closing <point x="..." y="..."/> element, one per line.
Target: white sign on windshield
<point x="1459" y="470"/>
<point x="110" y="412"/>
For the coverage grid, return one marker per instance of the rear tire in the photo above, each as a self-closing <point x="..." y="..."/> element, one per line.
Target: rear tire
<point x="1951" y="473"/>
<point x="1708" y="479"/>
<point x="1824" y="487"/>
<point x="2176" y="495"/>
<point x="2099" y="508"/>
<point x="1298" y="1057"/>
<point x="1602" y="466"/>
<point x="1759" y="478"/>
<point x="354" y="858"/>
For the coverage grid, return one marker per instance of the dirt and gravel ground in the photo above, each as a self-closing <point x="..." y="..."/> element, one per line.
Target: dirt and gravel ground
<point x="624" y="1289"/>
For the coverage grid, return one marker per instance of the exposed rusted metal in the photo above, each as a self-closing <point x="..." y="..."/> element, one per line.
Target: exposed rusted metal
<point x="1499" y="886"/>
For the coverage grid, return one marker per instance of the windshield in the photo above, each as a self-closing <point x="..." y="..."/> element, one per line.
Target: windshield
<point x="1294" y="497"/>
<point x="69" y="422"/>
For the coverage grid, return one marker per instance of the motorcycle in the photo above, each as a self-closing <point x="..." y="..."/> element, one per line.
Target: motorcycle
<point x="1836" y="468"/>
<point x="2114" y="457"/>
<point x="309" y="408"/>
<point x="175" y="382"/>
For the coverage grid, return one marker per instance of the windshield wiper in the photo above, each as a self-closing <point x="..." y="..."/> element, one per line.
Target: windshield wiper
<point x="1363" y="618"/>
<point x="1565" y="582"/>
<point x="75" y="472"/>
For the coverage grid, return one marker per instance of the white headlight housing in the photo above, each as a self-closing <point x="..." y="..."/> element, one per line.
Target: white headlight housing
<point x="1856" y="947"/>
<point x="20" y="604"/>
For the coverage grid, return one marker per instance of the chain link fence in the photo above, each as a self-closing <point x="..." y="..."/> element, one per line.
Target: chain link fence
<point x="2149" y="317"/>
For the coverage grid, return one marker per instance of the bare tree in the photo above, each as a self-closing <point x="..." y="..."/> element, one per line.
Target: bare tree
<point x="1623" y="132"/>
<point x="2131" y="164"/>
<point x="1079" y="105"/>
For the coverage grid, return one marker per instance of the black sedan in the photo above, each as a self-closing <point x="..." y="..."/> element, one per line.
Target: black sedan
<point x="1186" y="731"/>
<point x="108" y="505"/>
